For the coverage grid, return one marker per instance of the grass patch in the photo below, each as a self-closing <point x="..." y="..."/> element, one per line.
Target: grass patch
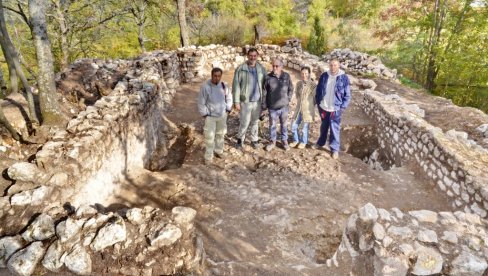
<point x="410" y="83"/>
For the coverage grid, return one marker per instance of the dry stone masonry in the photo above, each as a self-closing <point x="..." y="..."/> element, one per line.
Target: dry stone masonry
<point x="391" y="242"/>
<point x="49" y="224"/>
<point x="454" y="163"/>
<point x="80" y="166"/>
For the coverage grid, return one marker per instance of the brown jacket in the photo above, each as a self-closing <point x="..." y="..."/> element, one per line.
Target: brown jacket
<point x="305" y="95"/>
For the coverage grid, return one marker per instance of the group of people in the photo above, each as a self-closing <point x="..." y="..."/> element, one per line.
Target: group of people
<point x="255" y="92"/>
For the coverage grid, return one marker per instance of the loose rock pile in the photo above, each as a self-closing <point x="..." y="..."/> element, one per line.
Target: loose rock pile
<point x="132" y="242"/>
<point x="423" y="242"/>
<point x="362" y="64"/>
<point x="293" y="43"/>
<point x="88" y="80"/>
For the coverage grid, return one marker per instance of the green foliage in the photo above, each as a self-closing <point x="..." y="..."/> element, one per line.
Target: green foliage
<point x="398" y="31"/>
<point x="410" y="83"/>
<point x="316" y="42"/>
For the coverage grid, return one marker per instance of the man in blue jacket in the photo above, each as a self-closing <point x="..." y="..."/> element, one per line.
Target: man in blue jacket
<point x="333" y="95"/>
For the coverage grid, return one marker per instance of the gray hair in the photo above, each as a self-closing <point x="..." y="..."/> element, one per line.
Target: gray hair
<point x="278" y="60"/>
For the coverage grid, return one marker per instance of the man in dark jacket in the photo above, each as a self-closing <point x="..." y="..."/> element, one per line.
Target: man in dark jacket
<point x="332" y="96"/>
<point x="278" y="90"/>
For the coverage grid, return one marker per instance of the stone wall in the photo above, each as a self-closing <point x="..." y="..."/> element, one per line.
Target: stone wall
<point x="454" y="163"/>
<point x="197" y="62"/>
<point x="126" y="128"/>
<point x="81" y="166"/>
<point x="390" y="242"/>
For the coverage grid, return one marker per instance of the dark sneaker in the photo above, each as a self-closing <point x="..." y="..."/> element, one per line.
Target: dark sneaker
<point x="221" y="155"/>
<point x="286" y="146"/>
<point x="270" y="146"/>
<point x="239" y="144"/>
<point x="255" y="145"/>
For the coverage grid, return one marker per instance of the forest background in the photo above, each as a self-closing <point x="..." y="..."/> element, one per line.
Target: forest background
<point x="440" y="45"/>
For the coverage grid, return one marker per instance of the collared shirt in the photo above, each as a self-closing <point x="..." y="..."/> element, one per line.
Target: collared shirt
<point x="253" y="82"/>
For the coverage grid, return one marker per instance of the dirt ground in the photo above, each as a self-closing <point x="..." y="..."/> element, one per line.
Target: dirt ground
<point x="276" y="213"/>
<point x="272" y="213"/>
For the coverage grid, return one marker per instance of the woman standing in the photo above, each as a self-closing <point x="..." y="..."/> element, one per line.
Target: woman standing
<point x="305" y="111"/>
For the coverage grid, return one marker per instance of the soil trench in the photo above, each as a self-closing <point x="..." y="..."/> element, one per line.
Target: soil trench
<point x="274" y="213"/>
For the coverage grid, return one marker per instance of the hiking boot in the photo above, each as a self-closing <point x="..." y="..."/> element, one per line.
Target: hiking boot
<point x="255" y="145"/>
<point x="270" y="146"/>
<point x="335" y="155"/>
<point x="239" y="144"/>
<point x="324" y="147"/>
<point x="221" y="155"/>
<point x="286" y="146"/>
<point x="301" y="146"/>
<point x="316" y="147"/>
<point x="293" y="144"/>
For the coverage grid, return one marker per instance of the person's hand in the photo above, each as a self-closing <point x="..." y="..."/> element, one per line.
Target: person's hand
<point x="237" y="106"/>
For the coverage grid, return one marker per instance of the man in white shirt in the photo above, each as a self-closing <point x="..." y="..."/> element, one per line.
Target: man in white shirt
<point x="333" y="95"/>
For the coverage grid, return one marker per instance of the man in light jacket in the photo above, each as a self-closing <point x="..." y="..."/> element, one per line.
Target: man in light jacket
<point x="332" y="96"/>
<point x="247" y="90"/>
<point x="214" y="102"/>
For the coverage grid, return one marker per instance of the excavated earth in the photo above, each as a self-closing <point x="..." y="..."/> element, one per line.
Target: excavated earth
<point x="279" y="212"/>
<point x="258" y="213"/>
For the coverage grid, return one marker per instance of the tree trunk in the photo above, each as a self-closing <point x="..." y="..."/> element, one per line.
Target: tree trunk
<point x="257" y="37"/>
<point x="9" y="50"/>
<point x="3" y="85"/>
<point x="185" y="40"/>
<point x="6" y="43"/>
<point x="45" y="81"/>
<point x="435" y="35"/>
<point x="63" y="28"/>
<point x="140" y="36"/>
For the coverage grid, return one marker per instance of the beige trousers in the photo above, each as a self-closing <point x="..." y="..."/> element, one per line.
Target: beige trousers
<point x="214" y="130"/>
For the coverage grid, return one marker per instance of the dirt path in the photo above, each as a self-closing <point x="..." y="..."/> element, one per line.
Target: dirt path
<point x="272" y="213"/>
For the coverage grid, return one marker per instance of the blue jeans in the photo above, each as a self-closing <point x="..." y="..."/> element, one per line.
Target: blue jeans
<point x="332" y="121"/>
<point x="294" y="130"/>
<point x="282" y="114"/>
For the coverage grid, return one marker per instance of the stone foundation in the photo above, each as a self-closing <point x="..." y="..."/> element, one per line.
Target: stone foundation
<point x="47" y="226"/>
<point x="390" y="242"/>
<point x="456" y="165"/>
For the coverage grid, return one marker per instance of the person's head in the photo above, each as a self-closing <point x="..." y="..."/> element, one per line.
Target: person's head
<point x="277" y="66"/>
<point x="216" y="75"/>
<point x="334" y="66"/>
<point x="252" y="56"/>
<point x="305" y="73"/>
